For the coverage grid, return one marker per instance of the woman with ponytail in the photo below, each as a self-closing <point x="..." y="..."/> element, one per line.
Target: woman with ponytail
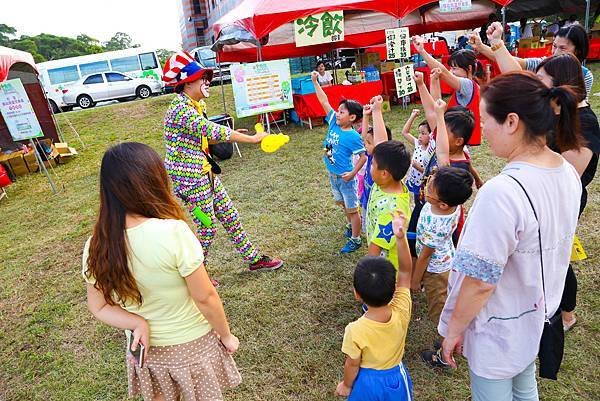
<point x="144" y="272"/>
<point x="461" y="77"/>
<point x="497" y="304"/>
<point x="565" y="69"/>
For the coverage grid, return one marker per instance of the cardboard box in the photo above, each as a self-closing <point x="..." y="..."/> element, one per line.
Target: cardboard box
<point x="18" y="166"/>
<point x="388" y="66"/>
<point x="64" y="150"/>
<point x="31" y="161"/>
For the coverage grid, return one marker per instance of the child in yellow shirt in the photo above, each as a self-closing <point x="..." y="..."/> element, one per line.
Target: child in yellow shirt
<point x="374" y="344"/>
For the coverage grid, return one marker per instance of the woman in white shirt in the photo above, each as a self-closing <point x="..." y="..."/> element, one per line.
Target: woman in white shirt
<point x="494" y="313"/>
<point x="324" y="78"/>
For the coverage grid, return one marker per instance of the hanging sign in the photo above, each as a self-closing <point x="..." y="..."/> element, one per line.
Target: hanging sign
<point x="454" y="6"/>
<point x="261" y="87"/>
<point x="405" y="84"/>
<point x="17" y="111"/>
<point x="397" y="43"/>
<point x="314" y="29"/>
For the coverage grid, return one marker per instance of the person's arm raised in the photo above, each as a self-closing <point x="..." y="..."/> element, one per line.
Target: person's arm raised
<point x="408" y="125"/>
<point x="379" y="131"/>
<point x="419" y="44"/>
<point x="403" y="279"/>
<point x="426" y="100"/>
<point x="321" y="96"/>
<point x="442" y="148"/>
<point x="504" y="59"/>
<point x="434" y="84"/>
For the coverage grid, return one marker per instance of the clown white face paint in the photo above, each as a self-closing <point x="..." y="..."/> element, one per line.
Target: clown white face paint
<point x="205" y="88"/>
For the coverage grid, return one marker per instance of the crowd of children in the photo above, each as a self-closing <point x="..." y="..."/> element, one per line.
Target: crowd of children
<point x="440" y="177"/>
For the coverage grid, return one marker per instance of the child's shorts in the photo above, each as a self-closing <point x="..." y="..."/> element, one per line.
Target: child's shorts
<point x="345" y="192"/>
<point x="382" y="385"/>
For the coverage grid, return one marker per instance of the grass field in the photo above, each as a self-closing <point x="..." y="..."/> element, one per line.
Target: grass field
<point x="290" y="323"/>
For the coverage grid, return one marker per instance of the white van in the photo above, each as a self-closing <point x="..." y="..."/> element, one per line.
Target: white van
<point x="208" y="58"/>
<point x="55" y="74"/>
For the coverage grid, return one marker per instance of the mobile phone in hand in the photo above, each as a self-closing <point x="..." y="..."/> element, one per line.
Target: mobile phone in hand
<point x="138" y="354"/>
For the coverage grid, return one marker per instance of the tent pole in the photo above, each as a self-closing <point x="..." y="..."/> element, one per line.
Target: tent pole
<point x="43" y="166"/>
<point x="222" y="88"/>
<point x="503" y="11"/>
<point x="266" y="115"/>
<point x="587" y="15"/>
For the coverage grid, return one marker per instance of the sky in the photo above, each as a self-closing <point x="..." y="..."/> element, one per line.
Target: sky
<point x="150" y="23"/>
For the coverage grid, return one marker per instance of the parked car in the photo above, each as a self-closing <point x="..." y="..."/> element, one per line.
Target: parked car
<point x="93" y="88"/>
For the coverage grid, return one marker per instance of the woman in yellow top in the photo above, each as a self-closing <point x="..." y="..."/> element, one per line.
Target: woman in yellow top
<point x="144" y="272"/>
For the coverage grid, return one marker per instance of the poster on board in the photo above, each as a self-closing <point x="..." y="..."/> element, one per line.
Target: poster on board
<point x="320" y="28"/>
<point x="454" y="6"/>
<point x="405" y="84"/>
<point x="397" y="43"/>
<point x="18" y="112"/>
<point x="261" y="87"/>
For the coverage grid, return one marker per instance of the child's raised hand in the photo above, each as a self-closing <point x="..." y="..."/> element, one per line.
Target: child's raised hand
<point x="415" y="112"/>
<point x="418" y="42"/>
<point x="440" y="106"/>
<point x="376" y="103"/>
<point x="418" y="77"/>
<point x="313" y="76"/>
<point x="342" y="390"/>
<point x="435" y="73"/>
<point x="475" y="41"/>
<point x="398" y="223"/>
<point x="367" y="109"/>
<point x="494" y="32"/>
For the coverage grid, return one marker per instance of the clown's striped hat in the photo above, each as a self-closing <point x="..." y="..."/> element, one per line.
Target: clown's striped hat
<point x="181" y="68"/>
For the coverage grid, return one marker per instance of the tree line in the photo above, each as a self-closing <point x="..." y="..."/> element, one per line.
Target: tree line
<point x="45" y="47"/>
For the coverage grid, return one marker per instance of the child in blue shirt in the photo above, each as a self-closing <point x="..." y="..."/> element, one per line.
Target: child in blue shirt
<point x="341" y="143"/>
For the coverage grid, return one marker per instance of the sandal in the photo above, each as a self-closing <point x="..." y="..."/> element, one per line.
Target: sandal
<point x="434" y="359"/>
<point x="569" y="325"/>
<point x="214" y="282"/>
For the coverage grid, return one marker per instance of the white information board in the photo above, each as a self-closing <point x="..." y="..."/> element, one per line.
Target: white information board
<point x="405" y="84"/>
<point x="18" y="112"/>
<point x="315" y="29"/>
<point x="261" y="87"/>
<point x="397" y="43"/>
<point x="454" y="6"/>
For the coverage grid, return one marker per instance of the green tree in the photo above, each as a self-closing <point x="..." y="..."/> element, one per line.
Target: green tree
<point x="119" y="41"/>
<point x="163" y="55"/>
<point x="5" y="33"/>
<point x="92" y="45"/>
<point x="28" y="45"/>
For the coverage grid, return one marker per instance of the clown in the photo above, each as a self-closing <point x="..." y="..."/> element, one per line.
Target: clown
<point x="187" y="135"/>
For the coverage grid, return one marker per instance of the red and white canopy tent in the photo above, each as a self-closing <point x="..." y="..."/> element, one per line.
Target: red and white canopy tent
<point x="264" y="28"/>
<point x="268" y="24"/>
<point x="19" y="64"/>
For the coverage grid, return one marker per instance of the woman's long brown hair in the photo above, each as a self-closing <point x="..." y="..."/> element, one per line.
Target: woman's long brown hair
<point x="133" y="180"/>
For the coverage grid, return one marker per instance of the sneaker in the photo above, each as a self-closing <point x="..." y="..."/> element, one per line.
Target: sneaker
<point x="437" y="344"/>
<point x="214" y="282"/>
<point x="434" y="359"/>
<point x="265" y="263"/>
<point x="348" y="232"/>
<point x="351" y="246"/>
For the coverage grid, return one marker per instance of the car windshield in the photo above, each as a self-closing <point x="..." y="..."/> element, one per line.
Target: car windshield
<point x="208" y="58"/>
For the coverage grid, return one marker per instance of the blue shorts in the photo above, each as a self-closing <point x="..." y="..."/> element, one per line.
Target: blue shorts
<point x="345" y="192"/>
<point x="382" y="385"/>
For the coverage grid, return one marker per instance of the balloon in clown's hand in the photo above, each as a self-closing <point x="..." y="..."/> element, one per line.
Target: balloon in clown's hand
<point x="272" y="142"/>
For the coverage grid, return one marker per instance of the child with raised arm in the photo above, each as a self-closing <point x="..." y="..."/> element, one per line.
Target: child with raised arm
<point x="460" y="77"/>
<point x="341" y="143"/>
<point x="424" y="146"/>
<point x="390" y="163"/>
<point x="446" y="190"/>
<point x="374" y="344"/>
<point x="144" y="272"/>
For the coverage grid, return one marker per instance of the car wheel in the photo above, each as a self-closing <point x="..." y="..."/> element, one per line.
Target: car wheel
<point x="143" y="92"/>
<point x="53" y="106"/>
<point x="66" y="108"/>
<point x="85" y="102"/>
